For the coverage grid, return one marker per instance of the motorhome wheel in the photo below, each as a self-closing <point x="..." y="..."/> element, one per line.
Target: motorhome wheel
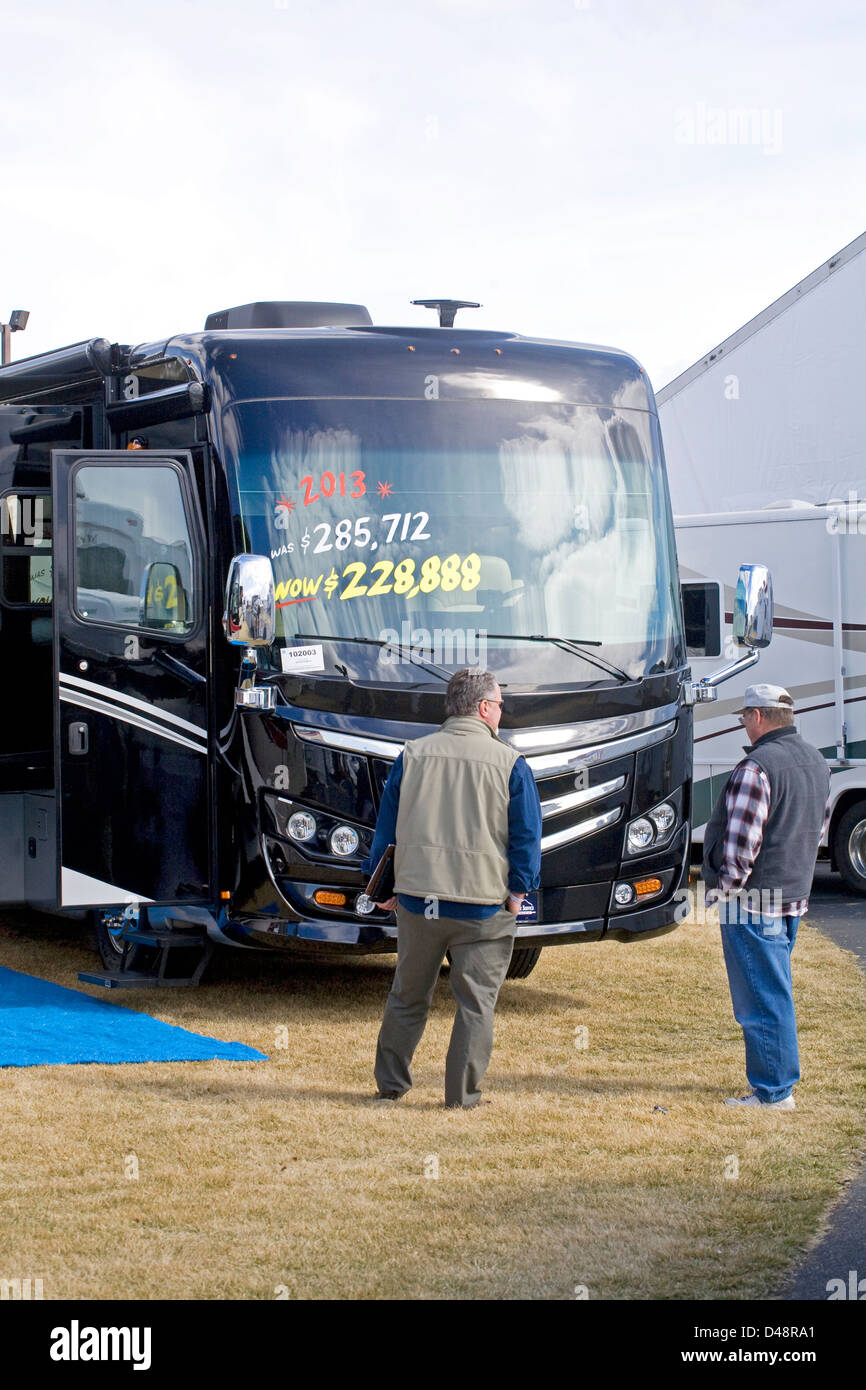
<point x="523" y="961"/>
<point x="108" y="925"/>
<point x="849" y="844"/>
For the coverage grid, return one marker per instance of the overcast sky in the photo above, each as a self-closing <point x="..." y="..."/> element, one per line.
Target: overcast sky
<point x="587" y="169"/>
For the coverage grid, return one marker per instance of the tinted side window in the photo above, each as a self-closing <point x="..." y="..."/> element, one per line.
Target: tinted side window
<point x="702" y="612"/>
<point x="133" y="550"/>
<point x="25" y="548"/>
<point x="155" y="376"/>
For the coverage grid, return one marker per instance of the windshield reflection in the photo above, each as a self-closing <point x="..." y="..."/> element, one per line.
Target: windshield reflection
<point x="433" y="525"/>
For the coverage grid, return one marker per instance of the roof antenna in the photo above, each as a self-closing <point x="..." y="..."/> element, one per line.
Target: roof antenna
<point x="447" y="308"/>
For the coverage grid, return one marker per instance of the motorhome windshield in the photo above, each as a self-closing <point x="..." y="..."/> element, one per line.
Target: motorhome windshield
<point x="397" y="520"/>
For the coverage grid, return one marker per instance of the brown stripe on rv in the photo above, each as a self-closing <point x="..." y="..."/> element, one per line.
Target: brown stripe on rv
<point x="808" y="623"/>
<point x="807" y="709"/>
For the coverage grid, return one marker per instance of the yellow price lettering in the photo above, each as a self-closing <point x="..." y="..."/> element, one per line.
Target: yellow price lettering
<point x="430" y="574"/>
<point x="404" y="576"/>
<point x="470" y="571"/>
<point x="450" y="578"/>
<point x="448" y="574"/>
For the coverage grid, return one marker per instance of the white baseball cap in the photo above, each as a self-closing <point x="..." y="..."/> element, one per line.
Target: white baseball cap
<point x="766" y="697"/>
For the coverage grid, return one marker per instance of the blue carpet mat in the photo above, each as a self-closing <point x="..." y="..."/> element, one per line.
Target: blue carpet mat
<point x="45" y="1024"/>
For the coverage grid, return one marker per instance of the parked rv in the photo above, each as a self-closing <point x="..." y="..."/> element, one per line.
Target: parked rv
<point x="272" y="544"/>
<point x="766" y="456"/>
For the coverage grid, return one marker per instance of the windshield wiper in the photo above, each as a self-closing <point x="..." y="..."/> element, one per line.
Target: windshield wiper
<point x="377" y="642"/>
<point x="568" y="644"/>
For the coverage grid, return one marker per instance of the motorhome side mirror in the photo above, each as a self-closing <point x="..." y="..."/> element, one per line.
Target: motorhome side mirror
<point x="250" y="613"/>
<point x="753" y="607"/>
<point x="163" y="598"/>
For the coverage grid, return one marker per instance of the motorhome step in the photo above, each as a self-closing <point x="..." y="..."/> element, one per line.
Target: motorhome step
<point x="132" y="979"/>
<point x="163" y="936"/>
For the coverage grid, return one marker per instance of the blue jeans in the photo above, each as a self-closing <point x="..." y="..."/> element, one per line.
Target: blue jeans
<point x="758" y="960"/>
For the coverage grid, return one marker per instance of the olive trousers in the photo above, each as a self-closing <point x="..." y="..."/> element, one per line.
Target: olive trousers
<point x="480" y="952"/>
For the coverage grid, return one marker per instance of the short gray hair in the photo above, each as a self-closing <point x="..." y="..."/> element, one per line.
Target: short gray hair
<point x="778" y="718"/>
<point x="467" y="689"/>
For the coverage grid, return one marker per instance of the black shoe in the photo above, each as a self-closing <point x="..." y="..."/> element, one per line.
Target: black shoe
<point x="387" y="1095"/>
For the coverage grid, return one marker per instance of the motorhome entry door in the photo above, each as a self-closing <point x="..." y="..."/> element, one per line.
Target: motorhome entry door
<point x="130" y="667"/>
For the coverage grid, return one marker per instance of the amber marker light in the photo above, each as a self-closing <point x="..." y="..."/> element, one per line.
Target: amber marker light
<point x="225" y="895"/>
<point x="329" y="899"/>
<point x="647" y="885"/>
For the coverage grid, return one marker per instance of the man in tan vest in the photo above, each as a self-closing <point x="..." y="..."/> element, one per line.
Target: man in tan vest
<point x="462" y="809"/>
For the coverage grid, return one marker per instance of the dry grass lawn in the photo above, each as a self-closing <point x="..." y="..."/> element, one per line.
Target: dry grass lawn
<point x="612" y="1166"/>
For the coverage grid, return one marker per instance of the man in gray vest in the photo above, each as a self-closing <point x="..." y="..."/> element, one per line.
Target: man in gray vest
<point x="760" y="847"/>
<point x="462" y="809"/>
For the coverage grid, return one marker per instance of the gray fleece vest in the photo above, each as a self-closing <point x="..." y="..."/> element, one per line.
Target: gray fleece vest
<point x="452" y="821"/>
<point x="799" y="781"/>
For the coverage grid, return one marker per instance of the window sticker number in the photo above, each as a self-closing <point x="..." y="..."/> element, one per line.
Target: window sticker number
<point x="353" y="589"/>
<point x="422" y="521"/>
<point x="348" y="532"/>
<point x="401" y="578"/>
<point x="344" y="534"/>
<point x="380" y="587"/>
<point x="332" y="483"/>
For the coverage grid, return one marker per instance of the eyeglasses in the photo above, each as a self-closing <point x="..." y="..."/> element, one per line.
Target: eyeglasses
<point x="485" y="701"/>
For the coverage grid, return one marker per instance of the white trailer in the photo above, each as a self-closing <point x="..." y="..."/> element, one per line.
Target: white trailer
<point x="765" y="440"/>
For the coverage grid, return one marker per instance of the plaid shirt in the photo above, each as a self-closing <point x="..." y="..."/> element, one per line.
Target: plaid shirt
<point x="747" y="801"/>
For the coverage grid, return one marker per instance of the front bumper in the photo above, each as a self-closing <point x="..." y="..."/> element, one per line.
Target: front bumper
<point x="276" y="905"/>
<point x="363" y="937"/>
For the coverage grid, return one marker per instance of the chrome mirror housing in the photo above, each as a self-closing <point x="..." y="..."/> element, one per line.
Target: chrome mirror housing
<point x="752" y="628"/>
<point x="753" y="607"/>
<point x="250" y="613"/>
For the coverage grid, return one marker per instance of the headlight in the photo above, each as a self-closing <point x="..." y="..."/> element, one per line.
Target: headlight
<point x="364" y="905"/>
<point x="663" y="817"/>
<point x="653" y="830"/>
<point x="314" y="832"/>
<point x="623" y="894"/>
<point x="641" y="833"/>
<point x="302" y="826"/>
<point x="344" y="841"/>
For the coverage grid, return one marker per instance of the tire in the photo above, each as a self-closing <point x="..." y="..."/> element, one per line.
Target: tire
<point x="107" y="925"/>
<point x="849" y="847"/>
<point x="523" y="961"/>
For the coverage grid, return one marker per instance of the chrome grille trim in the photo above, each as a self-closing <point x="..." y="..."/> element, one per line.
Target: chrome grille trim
<point x="583" y="827"/>
<point x="535" y="741"/>
<point x="542" y="764"/>
<point x="350" y="743"/>
<point x="554" y="764"/>
<point x="571" y="800"/>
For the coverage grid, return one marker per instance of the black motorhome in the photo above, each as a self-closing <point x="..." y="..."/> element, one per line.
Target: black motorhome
<point x="420" y="499"/>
